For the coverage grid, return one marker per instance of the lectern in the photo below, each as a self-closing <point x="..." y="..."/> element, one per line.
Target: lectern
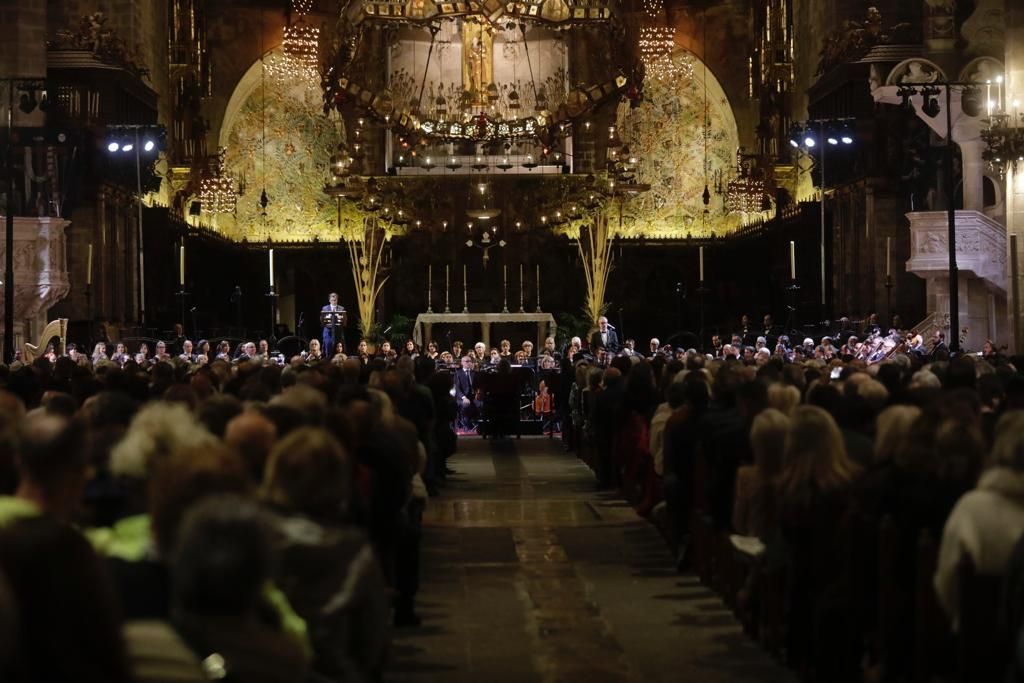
<point x="333" y="320"/>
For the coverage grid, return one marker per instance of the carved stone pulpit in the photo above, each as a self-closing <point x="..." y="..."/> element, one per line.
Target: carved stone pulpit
<point x="40" y="273"/>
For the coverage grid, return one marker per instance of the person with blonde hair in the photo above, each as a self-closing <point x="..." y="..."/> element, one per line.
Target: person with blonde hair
<point x="753" y="510"/>
<point x="814" y="494"/>
<point x="783" y="398"/>
<point x="892" y="431"/>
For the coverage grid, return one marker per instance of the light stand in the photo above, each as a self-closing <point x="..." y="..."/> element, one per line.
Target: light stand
<point x="888" y="297"/>
<point x="272" y="297"/>
<point x="182" y="297"/>
<point x="793" y="290"/>
<point x="701" y="292"/>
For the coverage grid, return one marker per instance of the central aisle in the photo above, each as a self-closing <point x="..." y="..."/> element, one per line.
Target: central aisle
<point x="529" y="574"/>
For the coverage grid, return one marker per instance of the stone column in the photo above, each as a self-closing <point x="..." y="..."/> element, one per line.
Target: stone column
<point x="973" y="173"/>
<point x="1014" y="84"/>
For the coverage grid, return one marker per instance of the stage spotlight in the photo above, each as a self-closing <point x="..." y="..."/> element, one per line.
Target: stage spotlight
<point x="28" y="101"/>
<point x="846" y="139"/>
<point x="971" y="102"/>
<point x="113" y="146"/>
<point x="832" y="140"/>
<point x="794" y="143"/>
<point x="127" y="147"/>
<point x="149" y="146"/>
<point x="931" y="102"/>
<point x="809" y="141"/>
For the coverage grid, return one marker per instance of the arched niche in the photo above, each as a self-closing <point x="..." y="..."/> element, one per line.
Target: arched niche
<point x="290" y="161"/>
<point x="666" y="132"/>
<point x="915" y="70"/>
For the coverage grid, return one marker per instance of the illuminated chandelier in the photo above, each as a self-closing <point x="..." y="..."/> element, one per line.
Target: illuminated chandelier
<point x="747" y="193"/>
<point x="301" y="48"/>
<point x="657" y="43"/>
<point x="217" y="189"/>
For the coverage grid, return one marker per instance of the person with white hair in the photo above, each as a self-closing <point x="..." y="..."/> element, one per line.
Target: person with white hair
<point x="655" y="346"/>
<point x="987" y="522"/>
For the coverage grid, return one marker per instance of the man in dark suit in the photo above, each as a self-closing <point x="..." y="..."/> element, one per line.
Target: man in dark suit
<point x="465" y="393"/>
<point x="604" y="338"/>
<point x="331" y="333"/>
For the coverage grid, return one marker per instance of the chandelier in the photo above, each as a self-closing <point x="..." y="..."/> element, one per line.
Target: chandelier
<point x="747" y="193"/>
<point x="217" y="189"/>
<point x="301" y="48"/>
<point x="657" y="43"/>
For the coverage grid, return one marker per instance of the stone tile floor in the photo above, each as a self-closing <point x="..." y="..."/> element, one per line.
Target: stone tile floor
<point x="530" y="574"/>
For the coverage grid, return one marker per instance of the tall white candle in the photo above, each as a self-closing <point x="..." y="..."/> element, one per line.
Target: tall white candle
<point x="888" y="256"/>
<point x="88" y="267"/>
<point x="271" y="268"/>
<point x="446" y="287"/>
<point x="181" y="265"/>
<point x="999" y="94"/>
<point x="792" y="260"/>
<point x="702" y="264"/>
<point x="538" y="287"/>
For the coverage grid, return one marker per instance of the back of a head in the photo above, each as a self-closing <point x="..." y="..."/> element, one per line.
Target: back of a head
<point x="783" y="397"/>
<point x="1008" y="449"/>
<point x="217" y="411"/>
<point x="185" y="477"/>
<point x="157" y="430"/>
<point x="768" y="440"/>
<point x="815" y="455"/>
<point x="51" y="449"/>
<point x="892" y="430"/>
<point x="222" y="559"/>
<point x="612" y="377"/>
<point x="308" y="472"/>
<point x="69" y="626"/>
<point x="252" y="435"/>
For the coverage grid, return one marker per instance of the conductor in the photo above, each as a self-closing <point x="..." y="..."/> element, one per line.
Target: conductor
<point x="332" y="318"/>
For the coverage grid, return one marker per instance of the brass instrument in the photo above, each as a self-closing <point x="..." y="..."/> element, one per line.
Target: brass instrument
<point x="55" y="328"/>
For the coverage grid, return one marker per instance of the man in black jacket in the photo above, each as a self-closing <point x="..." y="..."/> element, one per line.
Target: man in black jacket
<point x="465" y="393"/>
<point x="604" y="338"/>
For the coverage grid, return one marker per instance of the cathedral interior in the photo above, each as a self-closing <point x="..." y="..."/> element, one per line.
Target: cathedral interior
<point x="674" y="164"/>
<point x="616" y="475"/>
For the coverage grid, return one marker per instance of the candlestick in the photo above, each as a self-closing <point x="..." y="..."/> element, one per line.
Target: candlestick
<point x="430" y="280"/>
<point x="504" y="288"/>
<point x="88" y="267"/>
<point x="271" y="269"/>
<point x="999" y="93"/>
<point x="465" y="291"/>
<point x="181" y="266"/>
<point x="702" y="264"/>
<point x="538" y="287"/>
<point x="521" y="288"/>
<point x="988" y="97"/>
<point x="446" y="309"/>
<point x="888" y="256"/>
<point x="792" y="260"/>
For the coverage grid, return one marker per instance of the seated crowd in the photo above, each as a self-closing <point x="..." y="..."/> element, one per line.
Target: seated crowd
<point x="245" y="516"/>
<point x="240" y="519"/>
<point x="834" y="499"/>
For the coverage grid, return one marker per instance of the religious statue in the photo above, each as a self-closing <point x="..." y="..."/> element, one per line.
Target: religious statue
<point x="477" y="61"/>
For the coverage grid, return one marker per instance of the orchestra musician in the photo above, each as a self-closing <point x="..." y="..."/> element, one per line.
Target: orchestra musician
<point x="465" y="393"/>
<point x="331" y="334"/>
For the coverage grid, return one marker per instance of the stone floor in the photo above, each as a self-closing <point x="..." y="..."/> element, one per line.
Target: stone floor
<point x="531" y="575"/>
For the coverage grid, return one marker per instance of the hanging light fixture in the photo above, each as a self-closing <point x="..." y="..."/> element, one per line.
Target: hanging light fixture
<point x="217" y="190"/>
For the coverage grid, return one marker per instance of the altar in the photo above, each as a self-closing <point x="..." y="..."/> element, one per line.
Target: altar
<point x="425" y="322"/>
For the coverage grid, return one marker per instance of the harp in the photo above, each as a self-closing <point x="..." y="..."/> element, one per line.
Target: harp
<point x="55" y="328"/>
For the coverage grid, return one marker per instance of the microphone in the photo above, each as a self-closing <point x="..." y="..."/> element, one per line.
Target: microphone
<point x="387" y="330"/>
<point x="611" y="327"/>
